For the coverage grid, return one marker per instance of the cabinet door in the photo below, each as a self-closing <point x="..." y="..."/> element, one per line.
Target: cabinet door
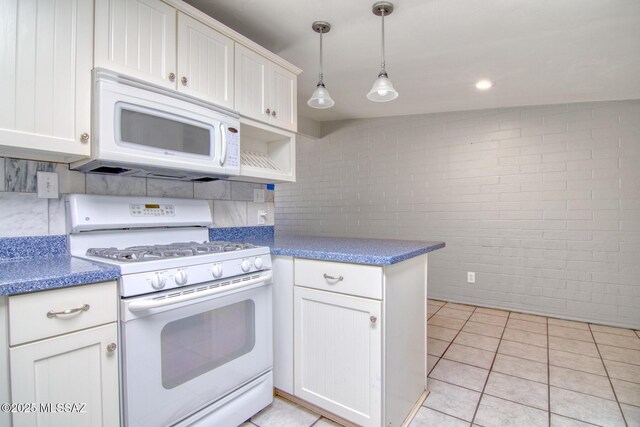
<point x="252" y="72"/>
<point x="205" y="62"/>
<point x="338" y="353"/>
<point x="282" y="97"/>
<point x="45" y="70"/>
<point x="137" y="38"/>
<point x="72" y="368"/>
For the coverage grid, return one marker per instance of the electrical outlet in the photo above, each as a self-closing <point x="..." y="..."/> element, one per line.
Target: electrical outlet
<point x="258" y="196"/>
<point x="262" y="217"/>
<point x="471" y="277"/>
<point x="47" y="185"/>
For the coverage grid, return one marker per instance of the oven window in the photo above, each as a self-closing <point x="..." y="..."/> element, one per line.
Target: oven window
<point x="165" y="134"/>
<point x="197" y="344"/>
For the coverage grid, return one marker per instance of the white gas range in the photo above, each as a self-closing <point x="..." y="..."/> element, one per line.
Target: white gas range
<point x="195" y="316"/>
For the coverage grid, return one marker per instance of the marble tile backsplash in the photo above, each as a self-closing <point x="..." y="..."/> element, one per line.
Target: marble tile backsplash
<point x="24" y="214"/>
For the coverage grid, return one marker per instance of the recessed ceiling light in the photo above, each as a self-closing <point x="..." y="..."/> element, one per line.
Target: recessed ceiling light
<point x="484" y="84"/>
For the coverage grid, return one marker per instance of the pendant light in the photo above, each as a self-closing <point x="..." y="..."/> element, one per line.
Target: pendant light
<point x="382" y="89"/>
<point x="320" y="97"/>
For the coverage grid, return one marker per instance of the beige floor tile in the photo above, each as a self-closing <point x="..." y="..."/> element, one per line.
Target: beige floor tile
<point x="524" y="325"/>
<point x="627" y="392"/>
<point x="436" y="347"/>
<point x="570" y="333"/>
<point x="492" y="312"/>
<point x="452" y="400"/>
<point x="432" y="310"/>
<point x="560" y="421"/>
<point x="457" y="306"/>
<point x="446" y="322"/>
<point x="525" y="337"/>
<point x="325" y="422"/>
<point x="483" y="329"/>
<point x="438" y="332"/>
<point x="489" y="319"/>
<point x="518" y="390"/>
<point x="436" y="301"/>
<point x="431" y="362"/>
<point x="612" y="330"/>
<point x="495" y="412"/>
<point x="617" y="340"/>
<point x="524" y="351"/>
<point x="564" y="359"/>
<point x="623" y="371"/>
<point x="528" y="317"/>
<point x="470" y="355"/>
<point x="631" y="414"/>
<point x="582" y="382"/>
<point x="460" y="374"/>
<point x="429" y="418"/>
<point x="620" y="354"/>
<point x="478" y="341"/>
<point x="568" y="323"/>
<point x="573" y="346"/>
<point x="282" y="412"/>
<point x="523" y="368"/>
<point x="456" y="314"/>
<point x="585" y="408"/>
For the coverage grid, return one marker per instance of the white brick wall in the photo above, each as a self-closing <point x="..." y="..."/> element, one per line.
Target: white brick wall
<point x="543" y="203"/>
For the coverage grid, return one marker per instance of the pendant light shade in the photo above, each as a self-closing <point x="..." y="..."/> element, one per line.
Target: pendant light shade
<point x="382" y="89"/>
<point x="320" y="97"/>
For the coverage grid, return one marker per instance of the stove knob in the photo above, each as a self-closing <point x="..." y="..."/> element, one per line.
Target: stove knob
<point x="258" y="263"/>
<point x="181" y="277"/>
<point x="245" y="265"/>
<point x="216" y="270"/>
<point x="158" y="281"/>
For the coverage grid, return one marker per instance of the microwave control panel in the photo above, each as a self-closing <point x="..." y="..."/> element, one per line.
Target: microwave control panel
<point x="233" y="150"/>
<point x="151" y="209"/>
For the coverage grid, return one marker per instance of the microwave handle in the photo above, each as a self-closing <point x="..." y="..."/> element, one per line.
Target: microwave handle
<point x="223" y="148"/>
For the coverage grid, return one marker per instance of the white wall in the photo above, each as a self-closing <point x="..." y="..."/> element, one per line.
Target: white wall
<point x="543" y="203"/>
<point x="22" y="213"/>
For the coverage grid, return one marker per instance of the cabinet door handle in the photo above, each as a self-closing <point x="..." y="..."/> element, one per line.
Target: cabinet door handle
<point x="337" y="279"/>
<point x="273" y="113"/>
<point x="184" y="81"/>
<point x="112" y="347"/>
<point x="84" y="137"/>
<point x="172" y="77"/>
<point x="268" y="111"/>
<point x="373" y="319"/>
<point x="51" y="314"/>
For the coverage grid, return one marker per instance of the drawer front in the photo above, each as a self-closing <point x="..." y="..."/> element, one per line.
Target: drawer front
<point x="350" y="279"/>
<point x="38" y="315"/>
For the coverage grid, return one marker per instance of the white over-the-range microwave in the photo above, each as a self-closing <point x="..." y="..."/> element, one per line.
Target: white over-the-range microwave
<point x="145" y="130"/>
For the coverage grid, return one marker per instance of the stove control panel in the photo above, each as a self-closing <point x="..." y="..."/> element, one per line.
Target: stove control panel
<point x="153" y="281"/>
<point x="152" y="209"/>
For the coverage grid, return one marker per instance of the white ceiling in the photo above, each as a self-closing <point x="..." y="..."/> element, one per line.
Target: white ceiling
<point x="537" y="51"/>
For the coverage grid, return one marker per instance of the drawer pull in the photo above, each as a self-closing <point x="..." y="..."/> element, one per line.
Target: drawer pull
<point x="51" y="314"/>
<point x="337" y="279"/>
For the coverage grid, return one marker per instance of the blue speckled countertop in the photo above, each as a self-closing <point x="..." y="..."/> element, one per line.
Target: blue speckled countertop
<point x="37" y="263"/>
<point x="352" y="250"/>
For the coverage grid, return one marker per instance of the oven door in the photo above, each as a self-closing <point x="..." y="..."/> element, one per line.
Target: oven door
<point x="178" y="358"/>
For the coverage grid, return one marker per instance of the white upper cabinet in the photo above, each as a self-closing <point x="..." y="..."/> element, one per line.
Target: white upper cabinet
<point x="205" y="62"/>
<point x="137" y="38"/>
<point x="45" y="69"/>
<point x="265" y="91"/>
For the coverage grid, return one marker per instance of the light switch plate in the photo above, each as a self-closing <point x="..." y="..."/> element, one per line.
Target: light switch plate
<point x="47" y="185"/>
<point x="258" y="196"/>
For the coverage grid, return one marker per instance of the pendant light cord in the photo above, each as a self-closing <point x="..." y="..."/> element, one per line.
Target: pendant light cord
<point x="382" y="10"/>
<point x="321" y="73"/>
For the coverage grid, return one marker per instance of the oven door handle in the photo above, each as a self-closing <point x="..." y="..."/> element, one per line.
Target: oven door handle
<point x="151" y="303"/>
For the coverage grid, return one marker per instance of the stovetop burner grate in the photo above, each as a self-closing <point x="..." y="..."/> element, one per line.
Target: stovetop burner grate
<point x="173" y="250"/>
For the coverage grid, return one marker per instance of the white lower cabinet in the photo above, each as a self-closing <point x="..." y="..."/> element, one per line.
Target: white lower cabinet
<point x="74" y="369"/>
<point x="68" y="368"/>
<point x="338" y="354"/>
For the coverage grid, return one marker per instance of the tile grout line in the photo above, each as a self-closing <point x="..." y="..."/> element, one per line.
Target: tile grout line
<point x="624" y="419"/>
<point x="486" y="381"/>
<point x="548" y="373"/>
